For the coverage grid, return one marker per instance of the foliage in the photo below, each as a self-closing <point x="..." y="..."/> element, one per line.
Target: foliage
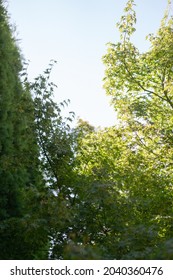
<point x="20" y="177"/>
<point x="86" y="192"/>
<point x="140" y="85"/>
<point x="55" y="140"/>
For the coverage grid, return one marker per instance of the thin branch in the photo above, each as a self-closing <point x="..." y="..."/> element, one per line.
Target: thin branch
<point x="137" y="82"/>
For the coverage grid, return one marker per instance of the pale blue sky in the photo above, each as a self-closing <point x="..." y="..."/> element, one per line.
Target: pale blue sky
<point x="75" y="33"/>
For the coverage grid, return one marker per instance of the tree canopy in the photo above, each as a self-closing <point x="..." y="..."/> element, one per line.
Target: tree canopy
<point x="84" y="192"/>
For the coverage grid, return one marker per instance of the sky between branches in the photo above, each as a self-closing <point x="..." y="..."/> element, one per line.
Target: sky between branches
<point x="75" y="33"/>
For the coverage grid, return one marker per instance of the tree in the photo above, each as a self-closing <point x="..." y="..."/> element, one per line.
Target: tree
<point x="121" y="200"/>
<point x="20" y="178"/>
<point x="55" y="140"/>
<point x="141" y="88"/>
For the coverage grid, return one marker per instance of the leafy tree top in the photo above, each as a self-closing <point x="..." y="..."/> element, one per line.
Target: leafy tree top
<point x="136" y="80"/>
